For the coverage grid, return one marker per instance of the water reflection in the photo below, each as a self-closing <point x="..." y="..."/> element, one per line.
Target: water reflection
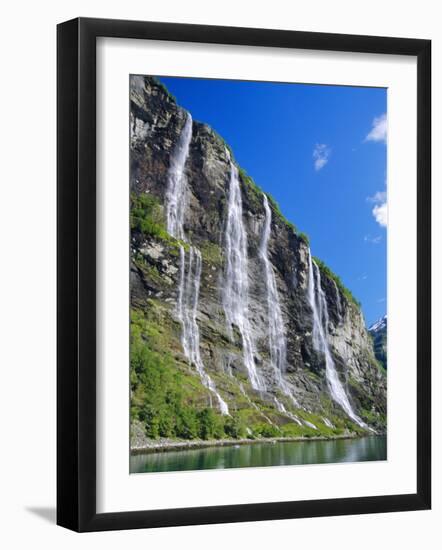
<point x="263" y="454"/>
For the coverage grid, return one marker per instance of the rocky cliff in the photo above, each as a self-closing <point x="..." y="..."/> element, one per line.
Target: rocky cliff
<point x="236" y="330"/>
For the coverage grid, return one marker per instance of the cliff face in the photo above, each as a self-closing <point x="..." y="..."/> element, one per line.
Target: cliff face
<point x="326" y="381"/>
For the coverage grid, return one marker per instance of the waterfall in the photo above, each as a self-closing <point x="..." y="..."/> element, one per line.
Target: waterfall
<point x="176" y="194"/>
<point x="283" y="410"/>
<point x="236" y="285"/>
<point x="190" y="277"/>
<point x="277" y="340"/>
<point x="338" y="302"/>
<point x="255" y="406"/>
<point x="327" y="422"/>
<point x="276" y="328"/>
<point x="187" y="313"/>
<point x="318" y="303"/>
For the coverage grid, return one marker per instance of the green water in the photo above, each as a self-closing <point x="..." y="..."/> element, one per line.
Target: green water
<point x="263" y="454"/>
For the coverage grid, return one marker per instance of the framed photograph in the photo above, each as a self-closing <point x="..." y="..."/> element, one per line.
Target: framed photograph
<point x="243" y="274"/>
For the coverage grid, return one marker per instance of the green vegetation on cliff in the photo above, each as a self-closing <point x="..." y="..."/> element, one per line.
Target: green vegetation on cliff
<point x="329" y="273"/>
<point x="146" y="215"/>
<point x="169" y="400"/>
<point x="258" y="192"/>
<point x="163" y="396"/>
<point x="164" y="88"/>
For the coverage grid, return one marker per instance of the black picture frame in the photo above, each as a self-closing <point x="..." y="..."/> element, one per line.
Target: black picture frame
<point x="77" y="287"/>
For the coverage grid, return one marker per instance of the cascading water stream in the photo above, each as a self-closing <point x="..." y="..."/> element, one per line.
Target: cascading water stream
<point x="327" y="422"/>
<point x="338" y="302"/>
<point x="277" y="339"/>
<point x="176" y="194"/>
<point x="255" y="406"/>
<point x="190" y="278"/>
<point x="276" y="328"/>
<point x="236" y="285"/>
<point x="318" y="304"/>
<point x="190" y="334"/>
<point x="283" y="410"/>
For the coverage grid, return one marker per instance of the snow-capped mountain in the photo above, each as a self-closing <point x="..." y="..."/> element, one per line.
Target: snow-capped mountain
<point x="381" y="324"/>
<point x="378" y="332"/>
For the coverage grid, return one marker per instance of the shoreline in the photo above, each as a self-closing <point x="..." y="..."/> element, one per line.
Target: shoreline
<point x="164" y="446"/>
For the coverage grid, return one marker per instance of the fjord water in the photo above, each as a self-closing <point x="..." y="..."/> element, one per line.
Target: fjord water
<point x="263" y="454"/>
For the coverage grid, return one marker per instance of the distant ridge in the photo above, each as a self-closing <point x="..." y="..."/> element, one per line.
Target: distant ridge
<point x="378" y="332"/>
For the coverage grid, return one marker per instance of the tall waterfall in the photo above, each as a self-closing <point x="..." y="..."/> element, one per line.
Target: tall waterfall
<point x="236" y="284"/>
<point x="187" y="311"/>
<point x="338" y="302"/>
<point x="318" y="303"/>
<point x="190" y="276"/>
<point x="277" y="339"/>
<point x="176" y="195"/>
<point x="276" y="328"/>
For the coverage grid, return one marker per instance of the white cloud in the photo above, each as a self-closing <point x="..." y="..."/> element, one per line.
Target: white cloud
<point x="380" y="207"/>
<point x="378" y="131"/>
<point x="380" y="214"/>
<point x="378" y="197"/>
<point x="373" y="240"/>
<point x="321" y="154"/>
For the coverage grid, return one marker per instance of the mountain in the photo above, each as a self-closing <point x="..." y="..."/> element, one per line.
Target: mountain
<point x="378" y="332"/>
<point x="236" y="330"/>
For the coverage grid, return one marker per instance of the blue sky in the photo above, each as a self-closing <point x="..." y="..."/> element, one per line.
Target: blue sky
<point x="320" y="151"/>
